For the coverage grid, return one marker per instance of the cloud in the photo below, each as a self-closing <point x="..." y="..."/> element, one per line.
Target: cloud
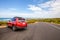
<point x="34" y="8"/>
<point x="11" y="12"/>
<point x="50" y="9"/>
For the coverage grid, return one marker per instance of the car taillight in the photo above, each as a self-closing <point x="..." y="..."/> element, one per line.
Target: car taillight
<point x="23" y="23"/>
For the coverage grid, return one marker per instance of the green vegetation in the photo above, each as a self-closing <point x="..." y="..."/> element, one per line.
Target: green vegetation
<point x="50" y="20"/>
<point x="3" y="23"/>
<point x="54" y="20"/>
<point x="31" y="21"/>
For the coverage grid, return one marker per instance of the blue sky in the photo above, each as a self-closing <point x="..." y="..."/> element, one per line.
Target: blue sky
<point x="21" y="5"/>
<point x="28" y="8"/>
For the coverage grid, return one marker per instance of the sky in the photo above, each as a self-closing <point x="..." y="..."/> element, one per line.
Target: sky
<point x="30" y="8"/>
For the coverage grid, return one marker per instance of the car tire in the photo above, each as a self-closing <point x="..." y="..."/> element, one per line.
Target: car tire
<point x="14" y="28"/>
<point x="8" y="27"/>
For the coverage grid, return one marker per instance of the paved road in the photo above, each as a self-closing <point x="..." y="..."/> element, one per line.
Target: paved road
<point x="36" y="31"/>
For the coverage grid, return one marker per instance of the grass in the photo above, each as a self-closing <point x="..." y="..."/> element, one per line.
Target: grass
<point x="3" y="23"/>
<point x="50" y="20"/>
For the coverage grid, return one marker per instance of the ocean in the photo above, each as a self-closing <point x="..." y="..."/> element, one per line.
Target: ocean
<point x="4" y="19"/>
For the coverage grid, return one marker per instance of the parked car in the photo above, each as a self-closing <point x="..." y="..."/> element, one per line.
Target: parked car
<point x="17" y="22"/>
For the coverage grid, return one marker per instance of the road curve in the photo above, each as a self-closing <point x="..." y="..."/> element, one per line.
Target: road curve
<point x="36" y="31"/>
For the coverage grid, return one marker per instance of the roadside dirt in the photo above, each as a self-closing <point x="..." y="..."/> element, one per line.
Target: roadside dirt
<point x="3" y="26"/>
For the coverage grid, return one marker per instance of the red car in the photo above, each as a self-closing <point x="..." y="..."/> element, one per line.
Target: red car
<point x="17" y="22"/>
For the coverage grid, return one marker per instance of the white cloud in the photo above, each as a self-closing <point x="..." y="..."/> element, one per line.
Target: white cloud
<point x="53" y="11"/>
<point x="11" y="13"/>
<point x="39" y="11"/>
<point x="34" y="8"/>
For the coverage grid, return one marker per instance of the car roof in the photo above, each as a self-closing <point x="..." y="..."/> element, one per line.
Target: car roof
<point x="20" y="18"/>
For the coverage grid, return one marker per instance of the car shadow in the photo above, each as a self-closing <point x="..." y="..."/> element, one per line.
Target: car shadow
<point x="20" y="30"/>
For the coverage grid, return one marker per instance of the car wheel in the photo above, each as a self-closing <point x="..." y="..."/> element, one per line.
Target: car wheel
<point x="14" y="28"/>
<point x="8" y="26"/>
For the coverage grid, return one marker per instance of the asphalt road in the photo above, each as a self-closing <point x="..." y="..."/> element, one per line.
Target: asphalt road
<point x="36" y="31"/>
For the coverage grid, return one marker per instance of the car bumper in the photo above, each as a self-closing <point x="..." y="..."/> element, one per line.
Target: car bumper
<point x="21" y="26"/>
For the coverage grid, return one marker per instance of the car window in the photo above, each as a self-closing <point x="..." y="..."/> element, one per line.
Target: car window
<point x="13" y="19"/>
<point x="21" y="19"/>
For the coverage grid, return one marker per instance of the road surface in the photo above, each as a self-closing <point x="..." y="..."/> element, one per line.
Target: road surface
<point x="36" y="31"/>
